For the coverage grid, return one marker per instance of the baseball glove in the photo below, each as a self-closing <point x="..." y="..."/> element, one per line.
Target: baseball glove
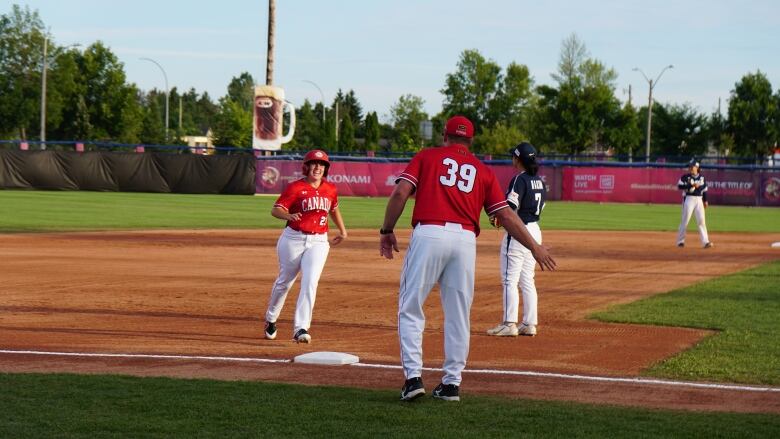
<point x="495" y="222"/>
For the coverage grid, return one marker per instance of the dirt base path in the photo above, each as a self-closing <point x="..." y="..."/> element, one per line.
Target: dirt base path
<point x="204" y="293"/>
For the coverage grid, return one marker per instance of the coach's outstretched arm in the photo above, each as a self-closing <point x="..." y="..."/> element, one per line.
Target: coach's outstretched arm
<point x="395" y="207"/>
<point x="517" y="230"/>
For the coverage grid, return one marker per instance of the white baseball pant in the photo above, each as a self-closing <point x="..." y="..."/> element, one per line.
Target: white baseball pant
<point x="518" y="267"/>
<point x="444" y="254"/>
<point x="298" y="252"/>
<point x="693" y="205"/>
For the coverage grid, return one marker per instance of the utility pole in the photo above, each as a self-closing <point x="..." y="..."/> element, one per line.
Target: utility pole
<point x="652" y="84"/>
<point x="180" y="114"/>
<point x="43" y="93"/>
<point x="269" y="66"/>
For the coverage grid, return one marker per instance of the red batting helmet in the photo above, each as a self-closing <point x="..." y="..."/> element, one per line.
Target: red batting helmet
<point x="316" y="155"/>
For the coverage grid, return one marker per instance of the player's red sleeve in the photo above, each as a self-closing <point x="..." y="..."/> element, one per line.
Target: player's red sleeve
<point x="412" y="171"/>
<point x="335" y="203"/>
<point x="286" y="198"/>
<point x="495" y="199"/>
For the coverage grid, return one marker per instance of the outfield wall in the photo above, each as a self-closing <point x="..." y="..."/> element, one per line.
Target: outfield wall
<point x="749" y="187"/>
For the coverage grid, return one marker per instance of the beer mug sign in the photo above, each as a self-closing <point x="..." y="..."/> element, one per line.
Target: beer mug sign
<point x="267" y="122"/>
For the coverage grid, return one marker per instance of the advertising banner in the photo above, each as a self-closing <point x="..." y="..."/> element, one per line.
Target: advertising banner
<point x="365" y="179"/>
<point x="654" y="185"/>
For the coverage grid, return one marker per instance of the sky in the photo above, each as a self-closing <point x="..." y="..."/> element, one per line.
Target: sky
<point x="383" y="49"/>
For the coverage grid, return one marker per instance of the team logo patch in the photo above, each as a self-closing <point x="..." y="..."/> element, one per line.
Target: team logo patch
<point x="461" y="129"/>
<point x="318" y="154"/>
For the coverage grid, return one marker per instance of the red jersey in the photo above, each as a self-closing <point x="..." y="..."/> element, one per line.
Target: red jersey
<point x="452" y="186"/>
<point x="313" y="205"/>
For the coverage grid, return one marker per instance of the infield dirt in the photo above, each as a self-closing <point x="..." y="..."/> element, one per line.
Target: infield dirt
<point x="205" y="292"/>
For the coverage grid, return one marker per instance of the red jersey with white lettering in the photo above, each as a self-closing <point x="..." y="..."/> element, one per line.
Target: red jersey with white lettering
<point x="313" y="205"/>
<point x="452" y="186"/>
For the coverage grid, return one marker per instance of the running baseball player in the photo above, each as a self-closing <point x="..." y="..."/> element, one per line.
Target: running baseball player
<point x="526" y="196"/>
<point x="303" y="246"/>
<point x="452" y="187"/>
<point x="694" y="202"/>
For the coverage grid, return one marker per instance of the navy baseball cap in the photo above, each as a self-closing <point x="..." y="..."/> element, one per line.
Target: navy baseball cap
<point x="693" y="162"/>
<point x="524" y="151"/>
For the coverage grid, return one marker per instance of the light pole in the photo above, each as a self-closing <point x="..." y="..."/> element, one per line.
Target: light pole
<point x="166" y="92"/>
<point x="43" y="87"/>
<point x="323" y="98"/>
<point x="652" y="84"/>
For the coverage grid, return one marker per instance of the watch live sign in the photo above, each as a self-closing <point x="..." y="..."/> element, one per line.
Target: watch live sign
<point x="604" y="184"/>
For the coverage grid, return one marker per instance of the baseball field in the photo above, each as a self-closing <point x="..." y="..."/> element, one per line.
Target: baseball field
<point x="141" y="314"/>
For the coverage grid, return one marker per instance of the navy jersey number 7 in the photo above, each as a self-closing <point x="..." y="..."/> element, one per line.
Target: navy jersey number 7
<point x="526" y="195"/>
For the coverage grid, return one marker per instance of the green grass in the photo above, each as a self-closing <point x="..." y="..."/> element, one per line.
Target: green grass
<point x="744" y="306"/>
<point x="44" y="406"/>
<point x="31" y="211"/>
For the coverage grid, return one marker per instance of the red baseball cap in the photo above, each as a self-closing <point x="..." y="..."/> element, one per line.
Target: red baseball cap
<point x="459" y="126"/>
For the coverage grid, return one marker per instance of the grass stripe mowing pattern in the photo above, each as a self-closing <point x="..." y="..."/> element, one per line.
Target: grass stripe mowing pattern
<point x="32" y="211"/>
<point x="43" y="406"/>
<point x="744" y="307"/>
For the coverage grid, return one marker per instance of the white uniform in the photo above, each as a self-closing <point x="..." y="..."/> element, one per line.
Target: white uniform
<point x="452" y="187"/>
<point x="518" y="267"/>
<point x="694" y="189"/>
<point x="302" y="247"/>
<point x="298" y="252"/>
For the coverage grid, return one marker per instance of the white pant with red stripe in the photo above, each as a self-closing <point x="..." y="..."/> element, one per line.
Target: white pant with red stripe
<point x="298" y="252"/>
<point x="518" y="267"/>
<point x="444" y="255"/>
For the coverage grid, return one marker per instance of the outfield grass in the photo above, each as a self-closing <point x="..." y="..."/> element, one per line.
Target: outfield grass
<point x="745" y="306"/>
<point x="44" y="406"/>
<point x="32" y="211"/>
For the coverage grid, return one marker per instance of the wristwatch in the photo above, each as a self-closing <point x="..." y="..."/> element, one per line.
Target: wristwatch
<point x="385" y="231"/>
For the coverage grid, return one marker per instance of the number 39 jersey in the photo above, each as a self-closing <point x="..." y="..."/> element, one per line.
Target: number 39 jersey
<point x="313" y="205"/>
<point x="526" y="195"/>
<point x="452" y="185"/>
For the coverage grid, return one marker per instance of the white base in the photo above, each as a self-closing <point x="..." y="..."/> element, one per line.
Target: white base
<point x="327" y="358"/>
<point x="775" y="244"/>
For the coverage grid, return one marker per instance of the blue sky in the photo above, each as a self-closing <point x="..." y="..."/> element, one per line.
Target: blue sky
<point x="384" y="49"/>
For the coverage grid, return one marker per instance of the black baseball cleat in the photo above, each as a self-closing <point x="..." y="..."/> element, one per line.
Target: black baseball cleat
<point x="270" y="330"/>
<point x="447" y="392"/>
<point x="412" y="389"/>
<point x="708" y="245"/>
<point x="302" y="336"/>
<point x="680" y="244"/>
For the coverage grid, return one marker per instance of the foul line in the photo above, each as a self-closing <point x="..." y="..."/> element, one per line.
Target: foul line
<point x="148" y="356"/>
<point x="645" y="381"/>
<point x="574" y="377"/>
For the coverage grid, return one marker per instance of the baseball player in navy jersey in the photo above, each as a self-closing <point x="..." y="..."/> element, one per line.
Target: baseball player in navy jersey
<point x="452" y="187"/>
<point x="303" y="246"/>
<point x="526" y="195"/>
<point x="694" y="202"/>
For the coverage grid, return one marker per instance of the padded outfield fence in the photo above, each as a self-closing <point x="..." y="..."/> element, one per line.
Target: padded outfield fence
<point x="169" y="168"/>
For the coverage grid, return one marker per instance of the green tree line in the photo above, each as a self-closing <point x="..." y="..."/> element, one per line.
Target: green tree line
<point x="90" y="98"/>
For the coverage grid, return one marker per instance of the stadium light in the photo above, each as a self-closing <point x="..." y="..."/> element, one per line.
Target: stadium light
<point x="166" y="92"/>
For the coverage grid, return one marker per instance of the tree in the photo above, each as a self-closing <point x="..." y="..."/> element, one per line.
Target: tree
<point x="242" y="91"/>
<point x="753" y="113"/>
<point x="498" y="140"/>
<point x="582" y="111"/>
<point x="406" y="116"/>
<point x="21" y="52"/>
<point x="472" y="88"/>
<point x="232" y="124"/>
<point x="347" y="135"/>
<point x="678" y="130"/>
<point x="308" y="130"/>
<point x="623" y="134"/>
<point x="371" y="130"/>
<point x="352" y="108"/>
<point x="115" y="112"/>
